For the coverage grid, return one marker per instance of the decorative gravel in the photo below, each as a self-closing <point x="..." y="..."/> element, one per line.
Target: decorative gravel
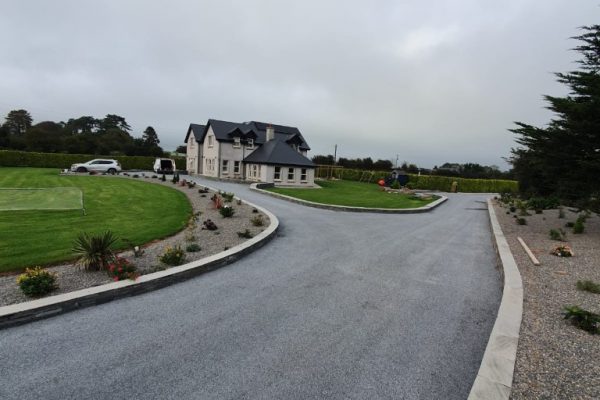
<point x="71" y="278"/>
<point x="555" y="360"/>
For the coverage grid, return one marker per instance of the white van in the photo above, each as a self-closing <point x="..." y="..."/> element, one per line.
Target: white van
<point x="164" y="166"/>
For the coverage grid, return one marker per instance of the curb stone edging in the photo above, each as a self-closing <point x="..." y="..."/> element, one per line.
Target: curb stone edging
<point x="258" y="187"/>
<point x="495" y="376"/>
<point x="21" y="313"/>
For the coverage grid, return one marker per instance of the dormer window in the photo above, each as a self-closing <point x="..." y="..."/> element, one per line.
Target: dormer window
<point x="211" y="141"/>
<point x="236" y="142"/>
<point x="250" y="144"/>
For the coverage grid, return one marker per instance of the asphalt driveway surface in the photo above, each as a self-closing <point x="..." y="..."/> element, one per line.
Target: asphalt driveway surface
<point x="338" y="306"/>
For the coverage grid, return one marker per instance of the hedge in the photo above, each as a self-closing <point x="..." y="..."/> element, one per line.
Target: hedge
<point x="11" y="158"/>
<point x="433" y="182"/>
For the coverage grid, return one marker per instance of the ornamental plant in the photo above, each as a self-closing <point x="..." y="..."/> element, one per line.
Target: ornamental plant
<point x="257" y="220"/>
<point x="172" y="256"/>
<point x="121" y="269"/>
<point x="583" y="319"/>
<point x="226" y="211"/>
<point x="37" y="282"/>
<point x="562" y="251"/>
<point x="94" y="252"/>
<point x="192" y="248"/>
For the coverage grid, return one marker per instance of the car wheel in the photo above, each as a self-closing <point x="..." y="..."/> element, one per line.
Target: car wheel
<point x="81" y="169"/>
<point x="111" y="171"/>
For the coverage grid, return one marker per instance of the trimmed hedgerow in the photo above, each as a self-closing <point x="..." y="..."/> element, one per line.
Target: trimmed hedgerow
<point x="12" y="158"/>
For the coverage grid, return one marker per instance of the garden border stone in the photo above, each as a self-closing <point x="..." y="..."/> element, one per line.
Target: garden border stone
<point x="495" y="376"/>
<point x="259" y="187"/>
<point x="21" y="313"/>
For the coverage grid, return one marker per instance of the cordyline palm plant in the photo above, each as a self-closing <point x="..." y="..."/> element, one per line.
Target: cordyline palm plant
<point x="94" y="252"/>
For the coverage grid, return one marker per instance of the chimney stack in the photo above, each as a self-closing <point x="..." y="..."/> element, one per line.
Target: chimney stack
<point x="270" y="132"/>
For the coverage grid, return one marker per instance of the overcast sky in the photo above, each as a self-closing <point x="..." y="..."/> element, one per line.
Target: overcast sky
<point x="427" y="81"/>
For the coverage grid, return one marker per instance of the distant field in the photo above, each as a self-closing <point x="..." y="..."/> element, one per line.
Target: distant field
<point x="354" y="194"/>
<point x="134" y="210"/>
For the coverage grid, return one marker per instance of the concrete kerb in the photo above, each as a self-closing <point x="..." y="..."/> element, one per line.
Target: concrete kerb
<point x="259" y="187"/>
<point x="17" y="314"/>
<point x="494" y="379"/>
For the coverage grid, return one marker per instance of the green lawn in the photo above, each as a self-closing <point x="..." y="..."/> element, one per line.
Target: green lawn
<point x="356" y="194"/>
<point x="133" y="210"/>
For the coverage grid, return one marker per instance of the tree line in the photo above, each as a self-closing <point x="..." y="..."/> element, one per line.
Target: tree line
<point x="84" y="135"/>
<point x="467" y="170"/>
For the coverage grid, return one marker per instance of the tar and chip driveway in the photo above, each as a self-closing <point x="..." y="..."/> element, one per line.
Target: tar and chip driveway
<point x="338" y="306"/>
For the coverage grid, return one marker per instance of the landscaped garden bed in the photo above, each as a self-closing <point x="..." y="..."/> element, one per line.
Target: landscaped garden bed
<point x="555" y="358"/>
<point x="199" y="239"/>
<point x="356" y="194"/>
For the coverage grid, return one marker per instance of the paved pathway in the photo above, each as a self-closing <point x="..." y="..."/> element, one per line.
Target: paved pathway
<point x="338" y="306"/>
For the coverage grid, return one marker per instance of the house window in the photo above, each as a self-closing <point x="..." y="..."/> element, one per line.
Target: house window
<point x="250" y="144"/>
<point x="211" y="141"/>
<point x="191" y="143"/>
<point x="255" y="171"/>
<point x="225" y="167"/>
<point x="277" y="174"/>
<point x="290" y="174"/>
<point x="303" y="175"/>
<point x="236" y="143"/>
<point x="236" y="167"/>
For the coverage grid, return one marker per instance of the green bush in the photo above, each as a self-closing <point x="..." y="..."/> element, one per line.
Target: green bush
<point x="589" y="286"/>
<point x="543" y="203"/>
<point x="94" y="252"/>
<point x="557" y="234"/>
<point x="192" y="248"/>
<point x="12" y="158"/>
<point x="583" y="319"/>
<point x="521" y="221"/>
<point x="246" y="234"/>
<point x="37" y="282"/>
<point x="578" y="227"/>
<point x="227" y="197"/>
<point x="257" y="220"/>
<point x="226" y="211"/>
<point x="395" y="184"/>
<point x="172" y="256"/>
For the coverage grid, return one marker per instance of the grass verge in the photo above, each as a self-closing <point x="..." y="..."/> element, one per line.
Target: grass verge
<point x="353" y="194"/>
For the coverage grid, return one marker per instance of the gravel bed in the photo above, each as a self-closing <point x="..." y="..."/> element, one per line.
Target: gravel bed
<point x="555" y="360"/>
<point x="71" y="278"/>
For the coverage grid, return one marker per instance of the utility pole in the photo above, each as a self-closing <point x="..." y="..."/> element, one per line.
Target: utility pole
<point x="396" y="160"/>
<point x="335" y="155"/>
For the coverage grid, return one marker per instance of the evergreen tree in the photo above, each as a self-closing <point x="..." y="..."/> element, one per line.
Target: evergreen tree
<point x="150" y="137"/>
<point x="563" y="158"/>
<point x="18" y="121"/>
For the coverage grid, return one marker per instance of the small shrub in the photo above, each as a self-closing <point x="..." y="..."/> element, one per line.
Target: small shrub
<point x="570" y="224"/>
<point x="209" y="225"/>
<point x="395" y="184"/>
<point x="227" y="197"/>
<point x="94" y="252"/>
<point x="543" y="203"/>
<point x="154" y="176"/>
<point x="239" y="202"/>
<point x="121" y="269"/>
<point x="512" y="208"/>
<point x="557" y="234"/>
<point x="521" y="221"/>
<point x="246" y="234"/>
<point x="37" y="282"/>
<point x="190" y="236"/>
<point x="163" y="178"/>
<point x="583" y="319"/>
<point x="562" y="251"/>
<point x="225" y="248"/>
<point x="203" y="190"/>
<point x="589" y="286"/>
<point x="539" y="211"/>
<point x="226" y="211"/>
<point x="191" y="185"/>
<point x="561" y="212"/>
<point x="254" y="211"/>
<point x="192" y="248"/>
<point x="257" y="220"/>
<point x="172" y="256"/>
<point x="135" y="176"/>
<point x="578" y="227"/>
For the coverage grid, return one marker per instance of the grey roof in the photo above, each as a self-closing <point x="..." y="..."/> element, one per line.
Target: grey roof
<point x="197" y="130"/>
<point x="224" y="130"/>
<point x="277" y="152"/>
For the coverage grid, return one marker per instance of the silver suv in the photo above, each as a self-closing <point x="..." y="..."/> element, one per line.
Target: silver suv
<point x="98" y="165"/>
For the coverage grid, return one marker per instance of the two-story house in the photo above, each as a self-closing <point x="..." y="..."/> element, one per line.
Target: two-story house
<point x="253" y="151"/>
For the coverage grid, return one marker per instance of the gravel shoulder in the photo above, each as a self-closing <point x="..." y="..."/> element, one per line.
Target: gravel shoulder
<point x="71" y="278"/>
<point x="555" y="360"/>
